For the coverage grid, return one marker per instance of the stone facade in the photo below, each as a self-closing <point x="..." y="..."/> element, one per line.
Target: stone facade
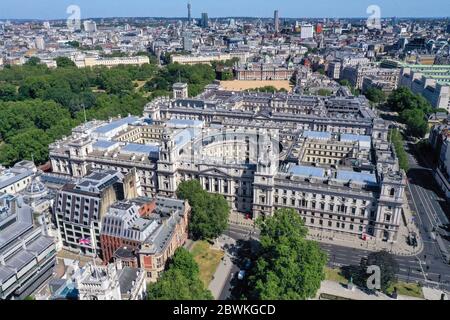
<point x="327" y="157"/>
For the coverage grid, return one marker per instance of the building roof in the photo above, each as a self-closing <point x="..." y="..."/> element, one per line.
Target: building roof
<point x="184" y="123"/>
<point x="317" y="135"/>
<point x="363" y="177"/>
<point x="364" y="141"/>
<point x="13" y="225"/>
<point x="13" y="175"/>
<point x="116" y="124"/>
<point x="307" y="171"/>
<point x="98" y="181"/>
<point x="137" y="148"/>
<point x="127" y="279"/>
<point x="104" y="144"/>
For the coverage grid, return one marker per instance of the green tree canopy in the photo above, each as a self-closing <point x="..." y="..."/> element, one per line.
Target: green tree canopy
<point x="375" y="95"/>
<point x="180" y="281"/>
<point x="209" y="217"/>
<point x="64" y="62"/>
<point x="33" y="61"/>
<point x="388" y="267"/>
<point x="415" y="121"/>
<point x="413" y="109"/>
<point x="196" y="76"/>
<point x="289" y="267"/>
<point x="8" y="92"/>
<point x="324" y="92"/>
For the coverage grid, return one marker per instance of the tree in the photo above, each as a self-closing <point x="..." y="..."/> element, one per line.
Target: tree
<point x="33" y="61"/>
<point x="209" y="217"/>
<point x="289" y="267"/>
<point x="388" y="267"/>
<point x="415" y="121"/>
<point x="397" y="140"/>
<point x="196" y="76"/>
<point x="34" y="96"/>
<point x="403" y="98"/>
<point x="375" y="95"/>
<point x="181" y="280"/>
<point x="324" y="92"/>
<point x="413" y="109"/>
<point x="64" y="62"/>
<point x="73" y="44"/>
<point x="184" y="261"/>
<point x="8" y="92"/>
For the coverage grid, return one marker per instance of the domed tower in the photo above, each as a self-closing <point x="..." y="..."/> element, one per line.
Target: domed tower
<point x="35" y="190"/>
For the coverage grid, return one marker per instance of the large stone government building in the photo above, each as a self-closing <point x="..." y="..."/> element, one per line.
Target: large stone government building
<point x="327" y="157"/>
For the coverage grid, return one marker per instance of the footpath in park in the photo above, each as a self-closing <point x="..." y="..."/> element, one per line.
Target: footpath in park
<point x="222" y="274"/>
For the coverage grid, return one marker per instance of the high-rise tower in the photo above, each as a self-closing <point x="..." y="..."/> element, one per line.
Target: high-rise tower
<point x="276" y="19"/>
<point x="189" y="7"/>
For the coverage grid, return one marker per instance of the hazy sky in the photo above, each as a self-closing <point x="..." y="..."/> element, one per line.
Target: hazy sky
<point x="55" y="9"/>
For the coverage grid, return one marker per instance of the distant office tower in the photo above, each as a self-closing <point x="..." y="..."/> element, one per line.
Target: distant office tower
<point x="40" y="43"/>
<point x="187" y="42"/>
<point x="276" y="19"/>
<point x="205" y="20"/>
<point x="307" y="31"/>
<point x="448" y="28"/>
<point x="46" y="25"/>
<point x="189" y="7"/>
<point x="90" y="26"/>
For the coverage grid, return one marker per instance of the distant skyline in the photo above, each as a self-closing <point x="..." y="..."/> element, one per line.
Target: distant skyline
<point x="56" y="9"/>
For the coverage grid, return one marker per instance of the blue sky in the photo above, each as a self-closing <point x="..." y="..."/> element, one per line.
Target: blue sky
<point x="55" y="9"/>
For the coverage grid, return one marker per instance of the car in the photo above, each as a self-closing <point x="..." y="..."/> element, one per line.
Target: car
<point x="241" y="274"/>
<point x="247" y="264"/>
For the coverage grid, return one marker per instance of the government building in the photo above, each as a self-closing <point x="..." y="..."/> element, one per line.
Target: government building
<point x="327" y="157"/>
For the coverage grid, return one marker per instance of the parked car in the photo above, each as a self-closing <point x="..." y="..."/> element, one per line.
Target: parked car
<point x="241" y="275"/>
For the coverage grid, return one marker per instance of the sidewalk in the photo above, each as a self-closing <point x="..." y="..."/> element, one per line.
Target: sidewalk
<point x="400" y="247"/>
<point x="338" y="290"/>
<point x="221" y="276"/>
<point x="239" y="219"/>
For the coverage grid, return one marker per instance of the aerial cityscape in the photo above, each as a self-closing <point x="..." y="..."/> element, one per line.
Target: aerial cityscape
<point x="199" y="150"/>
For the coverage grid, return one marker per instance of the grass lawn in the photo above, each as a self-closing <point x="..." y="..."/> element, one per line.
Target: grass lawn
<point x="208" y="260"/>
<point x="335" y="275"/>
<point x="407" y="289"/>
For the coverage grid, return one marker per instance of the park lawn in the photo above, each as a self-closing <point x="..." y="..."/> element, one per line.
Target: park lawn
<point x="335" y="275"/>
<point x="208" y="260"/>
<point x="407" y="289"/>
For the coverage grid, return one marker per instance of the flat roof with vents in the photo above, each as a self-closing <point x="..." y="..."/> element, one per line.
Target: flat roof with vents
<point x="317" y="135"/>
<point x="306" y="171"/>
<point x="363" y="177"/>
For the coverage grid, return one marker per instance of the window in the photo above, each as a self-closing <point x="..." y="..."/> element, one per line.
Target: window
<point x="392" y="192"/>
